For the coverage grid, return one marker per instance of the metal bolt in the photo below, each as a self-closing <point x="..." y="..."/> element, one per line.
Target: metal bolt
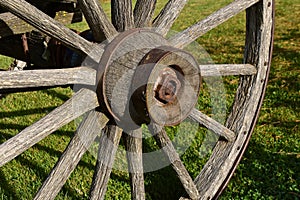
<point x="167" y="86"/>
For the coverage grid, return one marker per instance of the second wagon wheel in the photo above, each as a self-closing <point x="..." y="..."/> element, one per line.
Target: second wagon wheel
<point x="157" y="76"/>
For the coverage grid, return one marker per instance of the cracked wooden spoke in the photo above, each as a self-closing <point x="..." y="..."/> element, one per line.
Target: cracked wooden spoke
<point x="80" y="103"/>
<point x="166" y="145"/>
<point x="227" y="69"/>
<point x="82" y="140"/>
<point x="168" y="15"/>
<point x="98" y="21"/>
<point x="212" y="125"/>
<point x="51" y="27"/>
<point x="189" y="35"/>
<point x="51" y="77"/>
<point x="143" y="13"/>
<point x="122" y="14"/>
<point x="135" y="163"/>
<point x="108" y="145"/>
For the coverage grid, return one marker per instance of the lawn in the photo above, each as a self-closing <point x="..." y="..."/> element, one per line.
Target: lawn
<point x="270" y="168"/>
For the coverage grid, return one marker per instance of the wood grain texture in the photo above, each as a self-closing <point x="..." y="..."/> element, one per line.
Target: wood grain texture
<point x="212" y="125"/>
<point x="166" y="145"/>
<point x="85" y="135"/>
<point x="95" y="16"/>
<point x="134" y="155"/>
<point x="227" y="69"/>
<point x="53" y="77"/>
<point x="11" y="24"/>
<point x="83" y="101"/>
<point x="164" y="21"/>
<point x="143" y="13"/>
<point x="49" y="26"/>
<point x="225" y="157"/>
<point x="108" y="145"/>
<point x="189" y="35"/>
<point x="122" y="14"/>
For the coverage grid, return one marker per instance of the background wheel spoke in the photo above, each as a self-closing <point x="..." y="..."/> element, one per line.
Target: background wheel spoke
<point x="53" y="77"/>
<point x="122" y="15"/>
<point x="82" y="140"/>
<point x="192" y="33"/>
<point x="96" y="18"/>
<point x="135" y="163"/>
<point x="166" y="145"/>
<point x="212" y="125"/>
<point x="48" y="124"/>
<point x="49" y="26"/>
<point x="168" y="15"/>
<point x="109" y="141"/>
<point x="227" y="69"/>
<point x="143" y="12"/>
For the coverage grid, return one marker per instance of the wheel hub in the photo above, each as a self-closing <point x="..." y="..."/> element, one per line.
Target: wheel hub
<point x="142" y="79"/>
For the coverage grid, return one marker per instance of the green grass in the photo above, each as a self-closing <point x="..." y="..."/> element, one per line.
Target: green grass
<point x="270" y="168"/>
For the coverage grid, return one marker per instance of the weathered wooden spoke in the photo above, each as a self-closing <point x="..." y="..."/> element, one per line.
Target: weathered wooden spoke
<point x="81" y="141"/>
<point x="166" y="145"/>
<point x="122" y="14"/>
<point x="143" y="13"/>
<point x="54" y="77"/>
<point x="227" y="69"/>
<point x="212" y="124"/>
<point x="51" y="27"/>
<point x="135" y="163"/>
<point x="50" y="123"/>
<point x="108" y="144"/>
<point x="98" y="21"/>
<point x="192" y="33"/>
<point x="168" y="15"/>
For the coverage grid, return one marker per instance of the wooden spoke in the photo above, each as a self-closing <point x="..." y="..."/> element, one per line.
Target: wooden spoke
<point x="168" y="15"/>
<point x="108" y="146"/>
<point x="143" y="12"/>
<point x="96" y="18"/>
<point x="51" y="27"/>
<point x="192" y="33"/>
<point x="53" y="77"/>
<point x="82" y="140"/>
<point x="135" y="163"/>
<point x="122" y="15"/>
<point x="81" y="102"/>
<point x="227" y="69"/>
<point x="165" y="143"/>
<point x="13" y="25"/>
<point x="212" y="125"/>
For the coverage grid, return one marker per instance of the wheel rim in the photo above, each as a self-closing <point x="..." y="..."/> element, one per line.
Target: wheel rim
<point x="241" y="121"/>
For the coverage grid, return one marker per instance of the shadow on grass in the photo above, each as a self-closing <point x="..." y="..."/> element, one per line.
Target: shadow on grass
<point x="266" y="175"/>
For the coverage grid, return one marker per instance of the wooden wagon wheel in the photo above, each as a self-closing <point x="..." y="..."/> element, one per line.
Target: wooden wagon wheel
<point x="169" y="69"/>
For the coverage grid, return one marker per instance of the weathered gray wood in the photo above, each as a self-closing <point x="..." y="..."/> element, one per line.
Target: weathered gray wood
<point x="212" y="125"/>
<point x="225" y="157"/>
<point x="143" y="13"/>
<point x="120" y="60"/>
<point x="96" y="18"/>
<point x="168" y="15"/>
<point x="81" y="102"/>
<point x="49" y="26"/>
<point x="38" y="78"/>
<point x="192" y="33"/>
<point x="166" y="145"/>
<point x="11" y="24"/>
<point x="108" y="145"/>
<point x="122" y="15"/>
<point x="227" y="69"/>
<point x="134" y="155"/>
<point x="81" y="141"/>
